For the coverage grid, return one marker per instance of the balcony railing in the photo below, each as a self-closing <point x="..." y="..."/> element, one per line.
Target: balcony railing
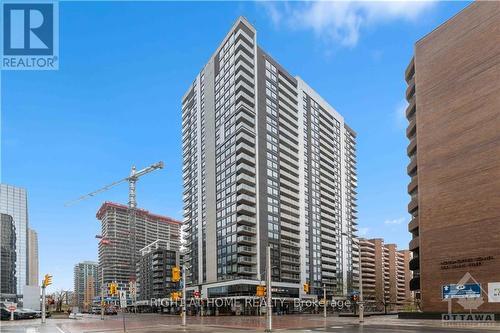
<point x="246" y="230"/>
<point x="415" y="283"/>
<point x="413" y="224"/>
<point x="414" y="264"/>
<point x="414" y="243"/>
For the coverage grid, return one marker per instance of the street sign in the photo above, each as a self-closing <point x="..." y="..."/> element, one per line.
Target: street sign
<point x="123" y="299"/>
<point x="494" y="292"/>
<point x="467" y="290"/>
<point x="12" y="308"/>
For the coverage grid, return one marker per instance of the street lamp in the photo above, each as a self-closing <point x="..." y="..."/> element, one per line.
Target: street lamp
<point x="361" y="302"/>
<point x="269" y="326"/>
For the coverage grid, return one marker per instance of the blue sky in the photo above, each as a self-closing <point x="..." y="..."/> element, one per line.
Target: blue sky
<point x="115" y="101"/>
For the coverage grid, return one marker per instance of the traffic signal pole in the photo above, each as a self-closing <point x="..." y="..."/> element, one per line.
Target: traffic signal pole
<point x="47" y="281"/>
<point x="184" y="312"/>
<point x="43" y="304"/>
<point x="102" y="292"/>
<point x="324" y="300"/>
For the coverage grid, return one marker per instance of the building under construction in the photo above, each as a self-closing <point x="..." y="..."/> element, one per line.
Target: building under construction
<point x="118" y="253"/>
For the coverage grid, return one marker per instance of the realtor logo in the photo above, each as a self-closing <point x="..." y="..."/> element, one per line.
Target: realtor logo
<point x="30" y="35"/>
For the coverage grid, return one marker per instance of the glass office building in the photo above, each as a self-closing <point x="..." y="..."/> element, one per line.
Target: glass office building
<point x="14" y="202"/>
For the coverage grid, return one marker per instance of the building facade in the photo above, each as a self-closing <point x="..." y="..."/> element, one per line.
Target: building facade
<point x="385" y="275"/>
<point x="453" y="113"/>
<point x="8" y="282"/>
<point x="266" y="162"/>
<point x="14" y="202"/>
<point x="115" y="248"/>
<point x="86" y="285"/>
<point x="32" y="257"/>
<point x="154" y="271"/>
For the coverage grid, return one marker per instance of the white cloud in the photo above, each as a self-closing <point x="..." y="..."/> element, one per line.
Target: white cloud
<point x="395" y="221"/>
<point x="400" y="114"/>
<point x="342" y="21"/>
<point x="363" y="232"/>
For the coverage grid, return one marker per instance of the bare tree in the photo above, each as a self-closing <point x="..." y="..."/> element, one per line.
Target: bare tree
<point x="59" y="297"/>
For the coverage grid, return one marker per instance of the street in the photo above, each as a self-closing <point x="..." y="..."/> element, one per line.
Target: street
<point x="153" y="323"/>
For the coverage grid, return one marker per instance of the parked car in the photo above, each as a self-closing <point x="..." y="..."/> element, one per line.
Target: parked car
<point x="95" y="310"/>
<point x="38" y="313"/>
<point x="25" y="314"/>
<point x="5" y="314"/>
<point x="110" y="311"/>
<point x="74" y="315"/>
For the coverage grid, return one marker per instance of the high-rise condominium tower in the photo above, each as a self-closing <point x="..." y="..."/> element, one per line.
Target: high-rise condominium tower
<point x="32" y="257"/>
<point x="266" y="161"/>
<point x="386" y="275"/>
<point x="454" y="131"/>
<point x="14" y="202"/>
<point x="86" y="285"/>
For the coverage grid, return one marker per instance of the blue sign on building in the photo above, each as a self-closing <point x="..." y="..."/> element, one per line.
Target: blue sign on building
<point x="468" y="290"/>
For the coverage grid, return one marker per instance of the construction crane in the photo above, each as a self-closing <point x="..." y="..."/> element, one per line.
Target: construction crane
<point x="132" y="203"/>
<point x="131" y="179"/>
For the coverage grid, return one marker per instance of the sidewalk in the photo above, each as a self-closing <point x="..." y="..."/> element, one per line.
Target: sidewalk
<point x="392" y="320"/>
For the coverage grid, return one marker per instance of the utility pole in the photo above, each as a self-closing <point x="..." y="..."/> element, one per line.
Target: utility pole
<point x="324" y="300"/>
<point x="184" y="312"/>
<point x="269" y="327"/>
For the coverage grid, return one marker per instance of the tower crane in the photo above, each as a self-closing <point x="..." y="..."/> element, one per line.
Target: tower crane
<point x="131" y="179"/>
<point x="132" y="204"/>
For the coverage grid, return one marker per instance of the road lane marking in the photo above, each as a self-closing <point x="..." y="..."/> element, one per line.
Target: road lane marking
<point x="60" y="329"/>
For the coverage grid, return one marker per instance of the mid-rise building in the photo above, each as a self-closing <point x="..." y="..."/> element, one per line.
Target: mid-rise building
<point x="116" y="248"/>
<point x="86" y="285"/>
<point x="14" y="202"/>
<point x="8" y="282"/>
<point x="32" y="257"/>
<point x="266" y="162"/>
<point x="385" y="274"/>
<point x="454" y="131"/>
<point x="154" y="271"/>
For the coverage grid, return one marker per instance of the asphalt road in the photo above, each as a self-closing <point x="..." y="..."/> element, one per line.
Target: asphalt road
<point x="149" y="323"/>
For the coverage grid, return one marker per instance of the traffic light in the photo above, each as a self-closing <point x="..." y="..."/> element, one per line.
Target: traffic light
<point x="261" y="291"/>
<point x="113" y="289"/>
<point x="176" y="274"/>
<point x="355" y="297"/>
<point x="175" y="295"/>
<point x="306" y="288"/>
<point x="47" y="280"/>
